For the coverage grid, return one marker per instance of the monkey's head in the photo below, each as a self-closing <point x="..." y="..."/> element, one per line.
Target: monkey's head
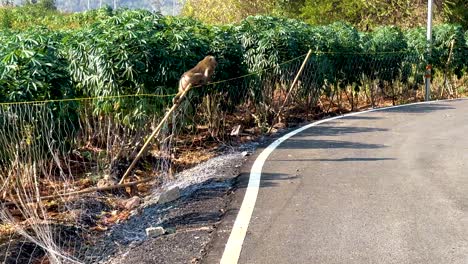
<point x="211" y="61"/>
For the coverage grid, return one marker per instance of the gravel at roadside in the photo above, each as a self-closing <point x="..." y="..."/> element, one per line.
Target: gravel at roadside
<point x="194" y="217"/>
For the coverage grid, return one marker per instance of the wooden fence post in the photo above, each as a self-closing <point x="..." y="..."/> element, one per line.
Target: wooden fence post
<point x="290" y="89"/>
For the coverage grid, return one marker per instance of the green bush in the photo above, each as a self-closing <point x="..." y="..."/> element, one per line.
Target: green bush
<point x="347" y="60"/>
<point x="465" y="55"/>
<point x="443" y="37"/>
<point x="385" y="54"/>
<point x="113" y="56"/>
<point x="106" y="53"/>
<point x="448" y="39"/>
<point x="32" y="67"/>
<point x="6" y="20"/>
<point x="269" y="41"/>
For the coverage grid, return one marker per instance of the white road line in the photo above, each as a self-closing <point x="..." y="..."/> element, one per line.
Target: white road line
<point x="233" y="247"/>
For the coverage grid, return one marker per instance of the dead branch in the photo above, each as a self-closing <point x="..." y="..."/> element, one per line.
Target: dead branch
<point x="84" y="191"/>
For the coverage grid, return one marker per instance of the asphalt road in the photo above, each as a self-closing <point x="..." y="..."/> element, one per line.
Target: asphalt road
<point x="382" y="187"/>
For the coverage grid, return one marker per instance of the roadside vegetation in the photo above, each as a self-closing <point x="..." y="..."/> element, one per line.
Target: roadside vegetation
<point x="144" y="52"/>
<point x="80" y="93"/>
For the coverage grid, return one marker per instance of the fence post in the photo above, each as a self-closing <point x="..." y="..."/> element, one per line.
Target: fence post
<point x="290" y="89"/>
<point x="428" y="75"/>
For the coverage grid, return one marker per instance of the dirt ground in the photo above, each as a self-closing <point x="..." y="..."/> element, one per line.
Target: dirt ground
<point x="205" y="193"/>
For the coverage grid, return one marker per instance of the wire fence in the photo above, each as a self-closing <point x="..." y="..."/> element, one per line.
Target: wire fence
<point x="51" y="148"/>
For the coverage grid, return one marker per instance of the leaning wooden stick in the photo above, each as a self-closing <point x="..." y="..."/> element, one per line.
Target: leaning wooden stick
<point x="180" y="96"/>
<point x="447" y="87"/>
<point x="290" y="89"/>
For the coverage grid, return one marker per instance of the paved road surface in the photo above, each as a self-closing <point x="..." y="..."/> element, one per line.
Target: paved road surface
<point x="382" y="187"/>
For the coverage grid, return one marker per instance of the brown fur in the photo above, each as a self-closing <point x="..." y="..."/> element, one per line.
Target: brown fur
<point x="200" y="74"/>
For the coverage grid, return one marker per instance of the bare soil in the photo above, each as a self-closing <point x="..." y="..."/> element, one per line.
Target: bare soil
<point x="205" y="191"/>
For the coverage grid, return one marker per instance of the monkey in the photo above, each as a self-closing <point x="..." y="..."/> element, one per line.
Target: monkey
<point x="199" y="75"/>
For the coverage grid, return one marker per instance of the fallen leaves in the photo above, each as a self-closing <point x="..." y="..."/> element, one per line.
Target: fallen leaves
<point x="107" y="219"/>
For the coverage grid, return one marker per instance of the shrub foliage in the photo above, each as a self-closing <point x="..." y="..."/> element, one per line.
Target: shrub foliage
<point x="105" y="52"/>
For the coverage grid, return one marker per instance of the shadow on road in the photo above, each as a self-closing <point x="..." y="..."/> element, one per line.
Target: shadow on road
<point x="339" y="160"/>
<point x="333" y="129"/>
<point x="268" y="179"/>
<point x="327" y="144"/>
<point x="420" y="109"/>
<point x="312" y="138"/>
<point x="361" y="117"/>
<point x="271" y="179"/>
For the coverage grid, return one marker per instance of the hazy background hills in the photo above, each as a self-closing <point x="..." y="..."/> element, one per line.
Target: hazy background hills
<point x="167" y="7"/>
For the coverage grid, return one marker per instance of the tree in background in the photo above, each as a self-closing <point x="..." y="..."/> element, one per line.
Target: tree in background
<point x="6" y="3"/>
<point x="169" y="7"/>
<point x="289" y="8"/>
<point x="328" y="11"/>
<point x="371" y="13"/>
<point x="227" y="11"/>
<point x="364" y="14"/>
<point x="6" y="20"/>
<point x="361" y="13"/>
<point x="48" y="4"/>
<point x="456" y="11"/>
<point x="45" y="4"/>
